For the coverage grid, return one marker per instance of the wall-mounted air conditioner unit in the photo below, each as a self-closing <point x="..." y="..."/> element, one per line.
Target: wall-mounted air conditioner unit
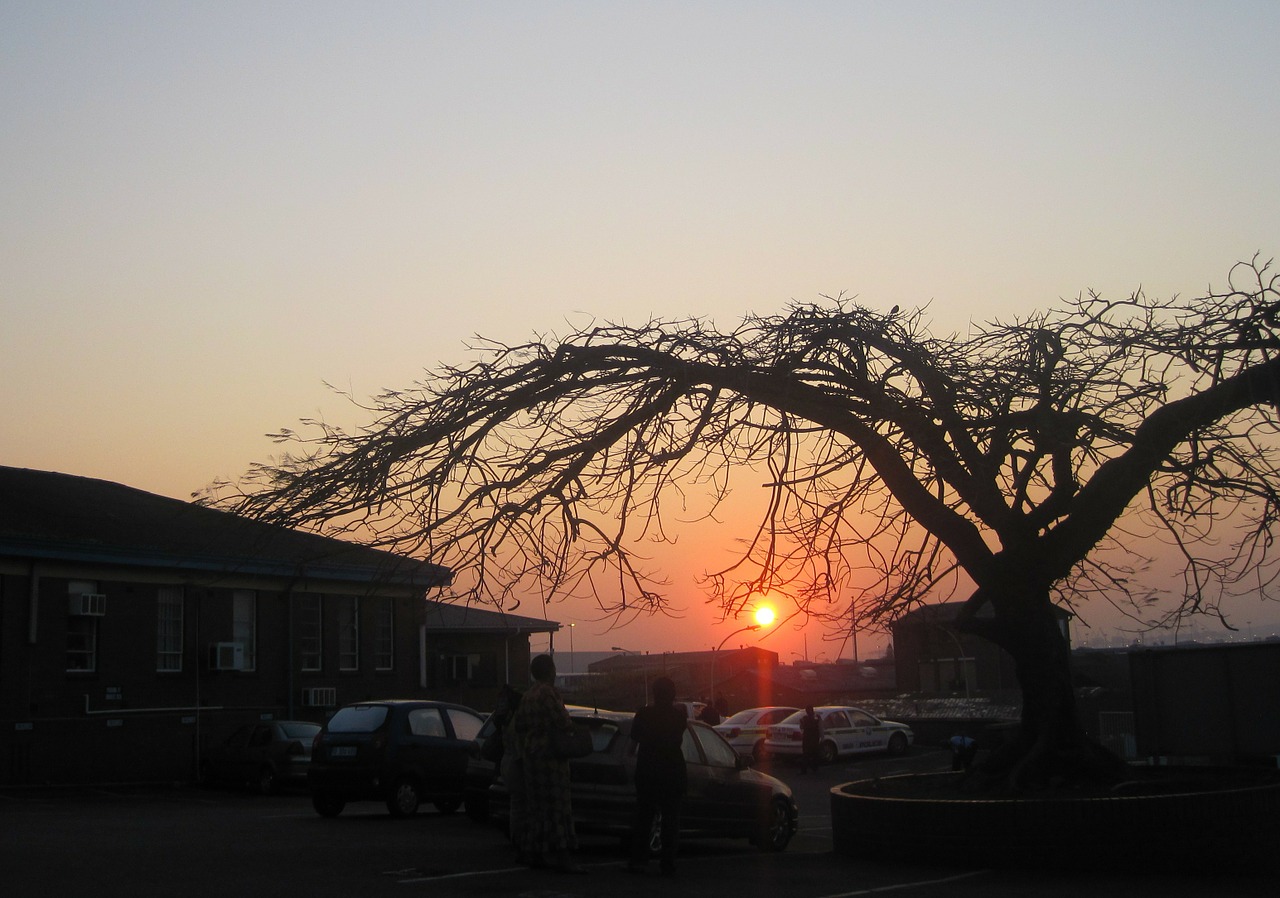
<point x="319" y="697"/>
<point x="87" y="604"/>
<point x="226" y="656"/>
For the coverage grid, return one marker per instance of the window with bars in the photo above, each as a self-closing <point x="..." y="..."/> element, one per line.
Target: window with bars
<point x="169" y="628"/>
<point x="348" y="633"/>
<point x="310" y="632"/>
<point x="82" y="632"/>
<point x="384" y="645"/>
<point x="244" y="624"/>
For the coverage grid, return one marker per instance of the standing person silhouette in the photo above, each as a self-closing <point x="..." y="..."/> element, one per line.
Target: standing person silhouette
<point x="810" y="733"/>
<point x="658" y="732"/>
<point x="547" y="835"/>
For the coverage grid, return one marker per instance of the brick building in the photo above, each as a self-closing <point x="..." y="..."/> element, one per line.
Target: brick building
<point x="136" y="630"/>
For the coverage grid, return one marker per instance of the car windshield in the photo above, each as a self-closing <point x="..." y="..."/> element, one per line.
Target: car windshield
<point x="602" y="732"/>
<point x="358" y="719"/>
<point x="299" y="730"/>
<point x="793" y="720"/>
<point x="740" y="718"/>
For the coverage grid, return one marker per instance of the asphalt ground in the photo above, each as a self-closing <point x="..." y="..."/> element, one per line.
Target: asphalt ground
<point x="180" y="840"/>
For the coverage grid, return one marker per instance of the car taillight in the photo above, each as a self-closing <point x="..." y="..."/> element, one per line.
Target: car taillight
<point x="733" y="732"/>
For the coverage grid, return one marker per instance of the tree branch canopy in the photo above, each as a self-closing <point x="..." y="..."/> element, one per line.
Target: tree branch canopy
<point x="891" y="459"/>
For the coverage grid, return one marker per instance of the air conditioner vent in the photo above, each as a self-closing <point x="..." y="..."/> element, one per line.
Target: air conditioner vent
<point x="87" y="604"/>
<point x="320" y="697"/>
<point x="226" y="656"/>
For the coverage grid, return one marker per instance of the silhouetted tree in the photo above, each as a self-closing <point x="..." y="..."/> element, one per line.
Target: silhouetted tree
<point x="894" y="461"/>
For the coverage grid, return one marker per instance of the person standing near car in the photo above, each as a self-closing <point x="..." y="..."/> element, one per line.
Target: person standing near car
<point x="546" y="836"/>
<point x="501" y="749"/>
<point x="661" y="780"/>
<point x="810" y="734"/>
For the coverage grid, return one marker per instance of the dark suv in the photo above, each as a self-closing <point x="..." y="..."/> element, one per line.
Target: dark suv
<point x="402" y="752"/>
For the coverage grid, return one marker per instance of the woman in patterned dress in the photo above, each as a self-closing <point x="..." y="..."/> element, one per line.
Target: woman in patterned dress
<point x="547" y="835"/>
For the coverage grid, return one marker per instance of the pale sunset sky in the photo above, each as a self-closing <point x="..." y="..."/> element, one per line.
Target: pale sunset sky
<point x="210" y="210"/>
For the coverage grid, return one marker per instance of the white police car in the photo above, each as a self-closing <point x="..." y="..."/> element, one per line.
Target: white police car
<point x="843" y="731"/>
<point x="746" y="730"/>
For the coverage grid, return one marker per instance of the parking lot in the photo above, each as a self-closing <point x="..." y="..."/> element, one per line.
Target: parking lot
<point x="139" y="841"/>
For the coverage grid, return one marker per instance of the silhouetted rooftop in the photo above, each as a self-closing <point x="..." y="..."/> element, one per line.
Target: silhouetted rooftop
<point x="47" y="515"/>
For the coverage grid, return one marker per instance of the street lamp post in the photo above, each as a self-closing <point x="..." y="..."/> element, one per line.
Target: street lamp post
<point x="571" y="661"/>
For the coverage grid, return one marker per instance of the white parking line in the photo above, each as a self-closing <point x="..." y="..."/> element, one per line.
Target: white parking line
<point x="903" y="886"/>
<point x="471" y="874"/>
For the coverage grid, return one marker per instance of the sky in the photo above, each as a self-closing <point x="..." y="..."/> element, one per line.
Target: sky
<point x="212" y="213"/>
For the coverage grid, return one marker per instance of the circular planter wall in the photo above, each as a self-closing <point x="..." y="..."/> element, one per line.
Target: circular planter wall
<point x="1181" y="819"/>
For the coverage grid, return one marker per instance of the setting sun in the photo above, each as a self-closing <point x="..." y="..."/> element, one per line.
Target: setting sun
<point x="764" y="615"/>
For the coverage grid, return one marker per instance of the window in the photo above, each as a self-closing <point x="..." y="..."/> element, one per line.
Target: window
<point x="82" y="632"/>
<point x="358" y="719"/>
<point x="719" y="753"/>
<point x="309" y="632"/>
<point x="384" y="645"/>
<point x="348" y="633"/>
<point x="426" y="722"/>
<point x="461" y="668"/>
<point x="836" y="720"/>
<point x="689" y="748"/>
<point x="244" y="623"/>
<point x="465" y="725"/>
<point x="169" y="628"/>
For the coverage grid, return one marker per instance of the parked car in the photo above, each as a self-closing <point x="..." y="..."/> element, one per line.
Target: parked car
<point x="482" y="771"/>
<point x="401" y="752"/>
<point x="844" y="731"/>
<point x="725" y="797"/>
<point x="746" y="730"/>
<point x="266" y="755"/>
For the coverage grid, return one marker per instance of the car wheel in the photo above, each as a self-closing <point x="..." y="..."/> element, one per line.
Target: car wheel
<point x="897" y="744"/>
<point x="327" y="805"/>
<point x="404" y="798"/>
<point x="777" y="827"/>
<point x="447" y="805"/>
<point x="827" y="753"/>
<point x="267" y="781"/>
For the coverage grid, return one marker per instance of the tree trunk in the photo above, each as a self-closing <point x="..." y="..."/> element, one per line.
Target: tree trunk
<point x="1050" y="747"/>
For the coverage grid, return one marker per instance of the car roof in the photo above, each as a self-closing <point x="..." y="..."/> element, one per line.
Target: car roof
<point x="581" y="711"/>
<point x="409" y="703"/>
<point x="764" y="708"/>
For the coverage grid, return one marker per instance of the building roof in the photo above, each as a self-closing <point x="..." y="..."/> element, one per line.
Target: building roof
<point x="946" y="612"/>
<point x="47" y="516"/>
<point x="624" y="660"/>
<point x="444" y="617"/>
